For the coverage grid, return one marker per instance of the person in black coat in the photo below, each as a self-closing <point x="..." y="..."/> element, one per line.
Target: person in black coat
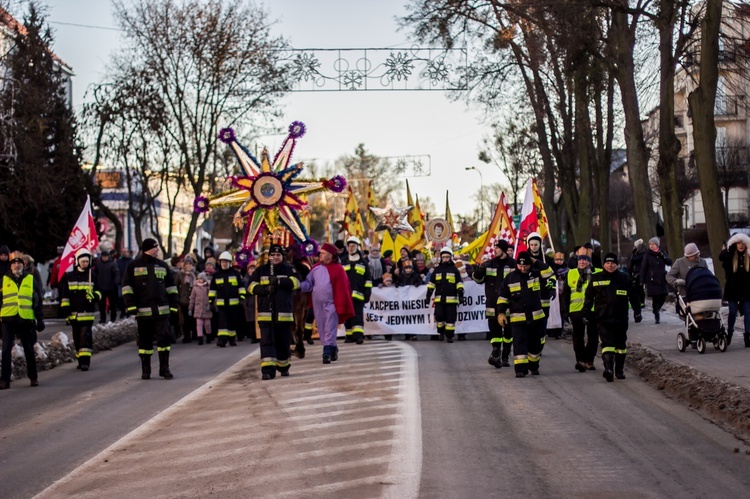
<point x="634" y="269"/>
<point x="735" y="259"/>
<point x="654" y="275"/>
<point x="107" y="281"/>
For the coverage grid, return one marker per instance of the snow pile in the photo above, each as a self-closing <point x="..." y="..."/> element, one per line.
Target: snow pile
<point x="60" y="348"/>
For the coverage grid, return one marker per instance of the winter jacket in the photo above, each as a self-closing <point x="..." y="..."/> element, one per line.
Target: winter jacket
<point x="446" y="283"/>
<point x="79" y="295"/>
<point x="184" y="282"/>
<point x="609" y="293"/>
<point x="360" y="279"/>
<point x="654" y="272"/>
<point x="199" y="306"/>
<point x="148" y="289"/>
<point x="492" y="273"/>
<point x="635" y="264"/>
<point x="249" y="303"/>
<point x="519" y="297"/>
<point x="108" y="274"/>
<point x="275" y="300"/>
<point x="737" y="268"/>
<point x="679" y="272"/>
<point x="226" y="288"/>
<point x="408" y="279"/>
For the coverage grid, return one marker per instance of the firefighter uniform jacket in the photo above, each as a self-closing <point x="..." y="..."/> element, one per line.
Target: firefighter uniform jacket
<point x="547" y="281"/>
<point x="226" y="289"/>
<point x="609" y="294"/>
<point x="519" y="297"/>
<point x="79" y="295"/>
<point x="492" y="273"/>
<point x="574" y="291"/>
<point x="446" y="284"/>
<point x="148" y="288"/>
<point x="278" y="300"/>
<point x="360" y="279"/>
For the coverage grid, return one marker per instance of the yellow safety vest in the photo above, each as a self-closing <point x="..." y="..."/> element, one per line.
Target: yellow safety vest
<point x="18" y="301"/>
<point x="577" y="297"/>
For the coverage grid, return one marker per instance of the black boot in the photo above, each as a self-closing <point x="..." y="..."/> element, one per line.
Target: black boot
<point x="608" y="360"/>
<point x="747" y="340"/>
<point x="494" y="359"/>
<point x="505" y="355"/>
<point x="145" y="366"/>
<point x="164" y="371"/>
<point x="619" y="365"/>
<point x="657" y="317"/>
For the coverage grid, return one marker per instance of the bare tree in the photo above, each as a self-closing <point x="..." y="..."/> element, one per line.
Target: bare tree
<point x="733" y="165"/>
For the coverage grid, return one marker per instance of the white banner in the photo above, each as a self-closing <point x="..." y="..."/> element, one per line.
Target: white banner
<point x="404" y="311"/>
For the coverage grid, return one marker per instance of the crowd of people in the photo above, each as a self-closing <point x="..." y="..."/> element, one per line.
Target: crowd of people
<point x="276" y="297"/>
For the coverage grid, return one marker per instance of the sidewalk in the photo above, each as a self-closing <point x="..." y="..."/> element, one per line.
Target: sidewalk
<point x="732" y="366"/>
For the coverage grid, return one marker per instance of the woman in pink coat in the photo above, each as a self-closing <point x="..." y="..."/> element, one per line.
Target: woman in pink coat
<point x="199" y="306"/>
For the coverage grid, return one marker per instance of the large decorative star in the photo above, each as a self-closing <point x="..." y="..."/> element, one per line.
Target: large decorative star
<point x="269" y="194"/>
<point x="392" y="218"/>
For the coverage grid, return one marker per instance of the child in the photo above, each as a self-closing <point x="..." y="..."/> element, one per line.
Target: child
<point x="199" y="307"/>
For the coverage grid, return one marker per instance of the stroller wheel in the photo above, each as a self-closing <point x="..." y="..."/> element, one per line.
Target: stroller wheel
<point x="681" y="342"/>
<point x="701" y="345"/>
<point x="723" y="343"/>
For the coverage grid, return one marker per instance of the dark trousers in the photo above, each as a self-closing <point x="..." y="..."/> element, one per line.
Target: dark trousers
<point x="355" y="327"/>
<point x="186" y="323"/>
<point x="228" y="321"/>
<point x="27" y="334"/>
<point x="445" y="318"/>
<point x="110" y="296"/>
<point x="152" y="331"/>
<point x="639" y="291"/>
<point x="585" y="339"/>
<point x="275" y="341"/>
<point x="614" y="338"/>
<point x="658" y="302"/>
<point x="83" y="339"/>
<point x="501" y="338"/>
<point x="527" y="345"/>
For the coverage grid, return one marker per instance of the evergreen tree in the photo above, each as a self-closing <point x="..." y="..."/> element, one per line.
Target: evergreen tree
<point x="42" y="185"/>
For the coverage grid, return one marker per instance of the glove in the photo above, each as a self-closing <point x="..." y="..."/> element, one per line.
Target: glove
<point x="502" y="320"/>
<point x="273" y="280"/>
<point x="679" y="282"/>
<point x="460" y="296"/>
<point x="40" y="325"/>
<point x="90" y="294"/>
<point x="551" y="284"/>
<point x="638" y="317"/>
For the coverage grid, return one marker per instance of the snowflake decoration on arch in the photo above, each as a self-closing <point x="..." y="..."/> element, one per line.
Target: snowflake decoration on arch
<point x="268" y="192"/>
<point x="352" y="79"/>
<point x="437" y="71"/>
<point x="399" y="66"/>
<point x="305" y="66"/>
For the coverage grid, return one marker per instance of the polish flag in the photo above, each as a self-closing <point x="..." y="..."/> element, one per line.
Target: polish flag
<point x="529" y="218"/>
<point x="83" y="235"/>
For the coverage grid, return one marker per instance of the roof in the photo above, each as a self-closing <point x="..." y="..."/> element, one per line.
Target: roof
<point x="12" y="24"/>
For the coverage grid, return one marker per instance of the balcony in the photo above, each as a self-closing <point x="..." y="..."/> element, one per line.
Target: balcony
<point x="729" y="106"/>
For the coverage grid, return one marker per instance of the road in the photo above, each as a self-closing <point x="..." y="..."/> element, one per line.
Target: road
<point x="389" y="419"/>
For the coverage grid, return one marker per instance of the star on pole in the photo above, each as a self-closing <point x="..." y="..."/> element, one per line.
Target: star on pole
<point x="392" y="218"/>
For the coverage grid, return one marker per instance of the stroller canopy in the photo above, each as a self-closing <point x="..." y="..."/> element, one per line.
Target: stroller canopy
<point x="701" y="284"/>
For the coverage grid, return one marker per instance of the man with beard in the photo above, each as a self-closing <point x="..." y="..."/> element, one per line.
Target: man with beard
<point x="79" y="295"/>
<point x="274" y="284"/>
<point x="360" y="282"/>
<point x="21" y="315"/>
<point x="149" y="292"/>
<point x="520" y="298"/>
<point x="492" y="273"/>
<point x="606" y="300"/>
<point x="448" y="288"/>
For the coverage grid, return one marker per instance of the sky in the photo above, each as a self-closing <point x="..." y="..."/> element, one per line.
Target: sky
<point x="389" y="123"/>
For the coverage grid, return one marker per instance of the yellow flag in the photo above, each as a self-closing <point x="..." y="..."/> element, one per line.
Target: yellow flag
<point x="448" y="215"/>
<point x="409" y="201"/>
<point x="541" y="214"/>
<point x="372" y="221"/>
<point x="399" y="243"/>
<point x="352" y="218"/>
<point x="474" y="249"/>
<point x="417" y="238"/>
<point x="387" y="244"/>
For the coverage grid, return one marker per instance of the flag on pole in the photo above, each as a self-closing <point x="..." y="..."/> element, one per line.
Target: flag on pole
<point x="409" y="200"/>
<point x="83" y="235"/>
<point x="533" y="217"/>
<point x="387" y="244"/>
<point x="328" y="229"/>
<point x="474" y="250"/>
<point x="352" y="218"/>
<point x="449" y="219"/>
<point x="501" y="227"/>
<point x="416" y="239"/>
<point x="541" y="215"/>
<point x="372" y="221"/>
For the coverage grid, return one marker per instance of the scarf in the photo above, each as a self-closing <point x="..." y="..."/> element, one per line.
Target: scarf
<point x="376" y="267"/>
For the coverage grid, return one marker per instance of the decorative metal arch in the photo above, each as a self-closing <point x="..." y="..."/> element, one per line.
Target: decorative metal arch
<point x="335" y="70"/>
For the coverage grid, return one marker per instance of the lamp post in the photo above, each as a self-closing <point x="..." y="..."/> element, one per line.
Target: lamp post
<point x="481" y="193"/>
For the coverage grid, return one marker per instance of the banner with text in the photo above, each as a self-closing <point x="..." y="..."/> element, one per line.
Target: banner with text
<point x="404" y="311"/>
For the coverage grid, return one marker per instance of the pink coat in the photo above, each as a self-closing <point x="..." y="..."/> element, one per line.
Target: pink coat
<point x="199" y="306"/>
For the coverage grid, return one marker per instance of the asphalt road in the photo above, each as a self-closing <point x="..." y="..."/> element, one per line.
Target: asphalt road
<point x="389" y="419"/>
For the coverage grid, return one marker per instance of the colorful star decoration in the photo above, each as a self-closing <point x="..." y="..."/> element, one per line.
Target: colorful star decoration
<point x="269" y="194"/>
<point x="392" y="218"/>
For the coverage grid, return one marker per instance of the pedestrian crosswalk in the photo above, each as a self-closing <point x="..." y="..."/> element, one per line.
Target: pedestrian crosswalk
<point x="348" y="429"/>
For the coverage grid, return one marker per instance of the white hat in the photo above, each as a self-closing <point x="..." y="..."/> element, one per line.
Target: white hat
<point x="354" y="240"/>
<point x="225" y="256"/>
<point x="83" y="252"/>
<point x="533" y="235"/>
<point x="447" y="250"/>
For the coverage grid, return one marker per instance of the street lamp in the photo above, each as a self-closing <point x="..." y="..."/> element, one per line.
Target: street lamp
<point x="481" y="192"/>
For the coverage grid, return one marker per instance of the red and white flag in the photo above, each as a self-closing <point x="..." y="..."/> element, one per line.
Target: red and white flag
<point x="83" y="235"/>
<point x="529" y="218"/>
<point x="501" y="227"/>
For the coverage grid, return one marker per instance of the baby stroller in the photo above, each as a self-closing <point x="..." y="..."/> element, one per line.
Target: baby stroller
<point x="700" y="308"/>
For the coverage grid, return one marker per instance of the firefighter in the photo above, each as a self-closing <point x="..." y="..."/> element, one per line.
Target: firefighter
<point x="360" y="280"/>
<point x="607" y="300"/>
<point x="520" y="298"/>
<point x="79" y="295"/>
<point x="226" y="295"/>
<point x="548" y="281"/>
<point x="274" y="283"/>
<point x="149" y="292"/>
<point x="585" y="333"/>
<point x="448" y="288"/>
<point x="492" y="273"/>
